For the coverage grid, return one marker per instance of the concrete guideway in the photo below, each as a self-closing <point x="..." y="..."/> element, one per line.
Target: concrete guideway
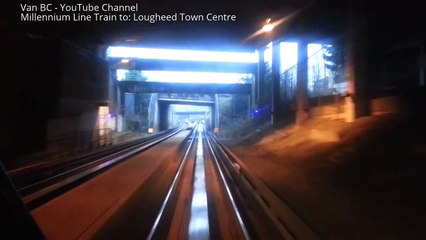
<point x="213" y="194"/>
<point x="80" y="212"/>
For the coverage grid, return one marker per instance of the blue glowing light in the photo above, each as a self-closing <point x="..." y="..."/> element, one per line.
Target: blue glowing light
<point x="188" y="77"/>
<point x="188" y="55"/>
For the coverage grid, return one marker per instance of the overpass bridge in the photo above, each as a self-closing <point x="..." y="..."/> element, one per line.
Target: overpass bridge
<point x="271" y="82"/>
<point x="156" y="112"/>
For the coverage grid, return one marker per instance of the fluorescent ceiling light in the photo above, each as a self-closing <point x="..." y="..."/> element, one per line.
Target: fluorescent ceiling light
<point x="186" y="55"/>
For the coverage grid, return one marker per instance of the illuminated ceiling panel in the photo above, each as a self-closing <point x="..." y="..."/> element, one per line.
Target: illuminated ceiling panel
<point x="184" y="55"/>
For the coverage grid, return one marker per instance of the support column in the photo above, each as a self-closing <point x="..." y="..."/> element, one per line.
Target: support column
<point x="121" y="122"/>
<point x="249" y="100"/>
<point x="260" y="78"/>
<point x="357" y="100"/>
<point x="302" y="83"/>
<point x="349" y="106"/>
<point x="113" y="97"/>
<point x="275" y="101"/>
<point x="350" y="64"/>
<point x="217" y="113"/>
<point x="120" y="100"/>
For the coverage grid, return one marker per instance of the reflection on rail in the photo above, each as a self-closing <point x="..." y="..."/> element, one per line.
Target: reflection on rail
<point x="172" y="188"/>
<point x="197" y="189"/>
<point x="269" y="217"/>
<point x="199" y="224"/>
<point x="226" y="201"/>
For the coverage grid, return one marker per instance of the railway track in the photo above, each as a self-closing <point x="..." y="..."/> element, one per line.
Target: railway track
<point x="39" y="183"/>
<point x="214" y="196"/>
<point x="204" y="193"/>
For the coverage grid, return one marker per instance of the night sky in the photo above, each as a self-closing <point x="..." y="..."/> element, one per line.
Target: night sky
<point x="390" y="23"/>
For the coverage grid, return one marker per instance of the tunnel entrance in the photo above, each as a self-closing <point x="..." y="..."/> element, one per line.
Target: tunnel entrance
<point x="175" y="109"/>
<point x="179" y="114"/>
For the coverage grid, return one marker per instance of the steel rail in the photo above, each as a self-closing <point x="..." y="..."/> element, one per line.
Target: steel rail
<point x="285" y="234"/>
<point x="172" y="187"/>
<point x="46" y="186"/>
<point x="229" y="193"/>
<point x="290" y="225"/>
<point x="54" y="165"/>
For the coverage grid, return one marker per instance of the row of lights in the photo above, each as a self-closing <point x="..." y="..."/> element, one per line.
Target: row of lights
<point x="267" y="27"/>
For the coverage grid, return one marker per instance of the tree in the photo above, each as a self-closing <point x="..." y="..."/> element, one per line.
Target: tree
<point x="333" y="58"/>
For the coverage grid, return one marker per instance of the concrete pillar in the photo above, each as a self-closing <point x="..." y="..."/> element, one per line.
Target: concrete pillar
<point x="120" y="100"/>
<point x="357" y="101"/>
<point x="249" y="99"/>
<point x="217" y="113"/>
<point x="260" y="78"/>
<point x="349" y="106"/>
<point x="302" y="83"/>
<point x="112" y="90"/>
<point x="275" y="101"/>
<point x="156" y="118"/>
